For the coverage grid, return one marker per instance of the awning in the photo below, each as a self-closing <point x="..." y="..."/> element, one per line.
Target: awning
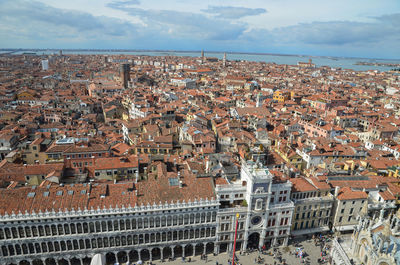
<point x="344" y="228"/>
<point x="309" y="231"/>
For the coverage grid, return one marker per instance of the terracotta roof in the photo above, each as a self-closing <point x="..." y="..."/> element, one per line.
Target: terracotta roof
<point x="347" y="193"/>
<point x="301" y="185"/>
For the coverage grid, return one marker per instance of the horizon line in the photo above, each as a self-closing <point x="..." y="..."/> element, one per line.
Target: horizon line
<point x="188" y="51"/>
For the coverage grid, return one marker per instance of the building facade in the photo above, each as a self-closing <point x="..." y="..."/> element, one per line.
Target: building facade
<point x="105" y="219"/>
<point x="375" y="241"/>
<point x="69" y="224"/>
<point x="264" y="207"/>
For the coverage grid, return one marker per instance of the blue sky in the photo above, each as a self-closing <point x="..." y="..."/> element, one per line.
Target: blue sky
<point x="359" y="28"/>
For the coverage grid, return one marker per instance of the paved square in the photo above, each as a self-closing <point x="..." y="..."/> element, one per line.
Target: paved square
<point x="312" y="254"/>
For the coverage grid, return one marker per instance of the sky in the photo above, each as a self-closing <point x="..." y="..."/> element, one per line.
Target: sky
<point x="348" y="28"/>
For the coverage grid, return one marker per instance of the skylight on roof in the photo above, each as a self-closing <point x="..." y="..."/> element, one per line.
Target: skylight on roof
<point x="173" y="181"/>
<point x="31" y="194"/>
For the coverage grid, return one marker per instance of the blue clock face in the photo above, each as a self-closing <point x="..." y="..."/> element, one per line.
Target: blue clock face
<point x="255" y="220"/>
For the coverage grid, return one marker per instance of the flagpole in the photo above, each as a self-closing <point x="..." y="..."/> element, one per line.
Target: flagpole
<point x="234" y="241"/>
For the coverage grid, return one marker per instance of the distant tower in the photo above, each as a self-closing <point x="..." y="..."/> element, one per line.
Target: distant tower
<point x="202" y="56"/>
<point x="60" y="53"/>
<point x="259" y="100"/>
<point x="45" y="65"/>
<point x="125" y="73"/>
<point x="224" y="59"/>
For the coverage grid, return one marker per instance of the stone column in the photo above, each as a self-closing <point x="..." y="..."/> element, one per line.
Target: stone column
<point x="216" y="248"/>
<point x="183" y="250"/>
<point x="274" y="241"/>
<point x="194" y="250"/>
<point x="261" y="242"/>
<point x="139" y="254"/>
<point x="151" y="254"/>
<point x="204" y="249"/>
<point x="162" y="253"/>
<point x="172" y="251"/>
<point x="285" y="242"/>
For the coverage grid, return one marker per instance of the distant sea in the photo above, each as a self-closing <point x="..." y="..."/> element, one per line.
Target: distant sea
<point x="334" y="62"/>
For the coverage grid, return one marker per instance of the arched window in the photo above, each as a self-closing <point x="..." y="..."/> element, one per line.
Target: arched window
<point x="73" y="229"/>
<point x="186" y="219"/>
<point x="214" y="217"/>
<point x="203" y="217"/>
<point x="18" y="250"/>
<point x="28" y="231"/>
<point x="208" y="232"/>
<point x="191" y="218"/>
<point x="21" y="232"/>
<point x="86" y="228"/>
<point x="25" y="249"/>
<point x="259" y="205"/>
<point x="53" y="230"/>
<point x="41" y="231"/>
<point x="93" y="227"/>
<point x="56" y="246"/>
<point x="202" y="232"/>
<point x="99" y="242"/>
<point x="79" y="228"/>
<point x="50" y="246"/>
<point x="35" y="232"/>
<point x="180" y="219"/>
<point x="60" y="229"/>
<point x="103" y="226"/>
